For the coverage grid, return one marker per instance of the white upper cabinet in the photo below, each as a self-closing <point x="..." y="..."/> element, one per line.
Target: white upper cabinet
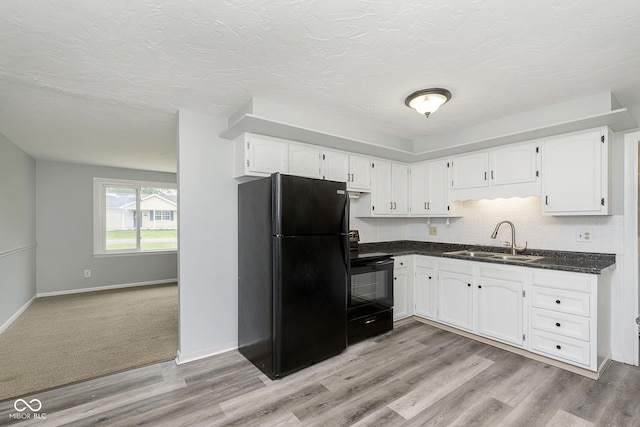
<point x="335" y="165"/>
<point x="508" y="171"/>
<point x="359" y="173"/>
<point x="470" y="170"/>
<point x="513" y="164"/>
<point x="259" y="155"/>
<point x="575" y="173"/>
<point x="389" y="194"/>
<point x="305" y="160"/>
<point x="430" y="190"/>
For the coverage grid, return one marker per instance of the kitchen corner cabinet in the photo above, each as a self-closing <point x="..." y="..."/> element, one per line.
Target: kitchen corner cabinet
<point x="455" y="294"/>
<point x="389" y="195"/>
<point x="424" y="287"/>
<point x="430" y="190"/>
<point x="500" y="304"/>
<point x="257" y="155"/>
<point x="575" y="173"/>
<point x="402" y="287"/>
<point x="305" y="160"/>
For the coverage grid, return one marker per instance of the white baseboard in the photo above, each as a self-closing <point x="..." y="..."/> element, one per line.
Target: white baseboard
<point x="202" y="354"/>
<point x="12" y="319"/>
<point x="104" y="288"/>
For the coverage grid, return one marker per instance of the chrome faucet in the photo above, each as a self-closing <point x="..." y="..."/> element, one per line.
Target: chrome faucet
<point x="514" y="248"/>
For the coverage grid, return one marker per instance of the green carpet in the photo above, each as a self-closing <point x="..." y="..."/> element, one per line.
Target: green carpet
<point x="64" y="339"/>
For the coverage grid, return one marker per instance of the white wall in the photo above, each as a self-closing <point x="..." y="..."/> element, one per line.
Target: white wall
<point x="17" y="230"/>
<point x="64" y="223"/>
<point x="207" y="239"/>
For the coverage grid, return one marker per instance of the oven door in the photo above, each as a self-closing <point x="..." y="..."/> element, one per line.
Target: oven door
<point x="371" y="284"/>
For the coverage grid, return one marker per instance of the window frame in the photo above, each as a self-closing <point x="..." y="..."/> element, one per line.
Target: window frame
<point x="100" y="218"/>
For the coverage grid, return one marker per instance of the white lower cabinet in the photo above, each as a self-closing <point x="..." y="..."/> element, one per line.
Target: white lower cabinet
<point x="570" y="317"/>
<point x="562" y="315"/>
<point x="500" y="304"/>
<point x="455" y="294"/>
<point x="424" y="287"/>
<point x="402" y="287"/>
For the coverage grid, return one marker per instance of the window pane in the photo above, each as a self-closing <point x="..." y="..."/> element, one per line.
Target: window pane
<point x="159" y="226"/>
<point x="121" y="218"/>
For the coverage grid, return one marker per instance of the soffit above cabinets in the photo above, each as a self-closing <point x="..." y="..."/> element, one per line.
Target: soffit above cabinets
<point x="269" y="119"/>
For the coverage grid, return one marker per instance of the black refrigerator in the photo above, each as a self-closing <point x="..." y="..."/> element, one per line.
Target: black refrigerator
<point x="293" y="267"/>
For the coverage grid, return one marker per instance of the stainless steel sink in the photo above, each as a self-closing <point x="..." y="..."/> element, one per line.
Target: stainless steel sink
<point x="496" y="256"/>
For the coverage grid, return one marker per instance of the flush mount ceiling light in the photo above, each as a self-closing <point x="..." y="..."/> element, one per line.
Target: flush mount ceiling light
<point x="426" y="101"/>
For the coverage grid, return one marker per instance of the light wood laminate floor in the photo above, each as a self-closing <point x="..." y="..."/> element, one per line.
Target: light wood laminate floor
<point x="417" y="375"/>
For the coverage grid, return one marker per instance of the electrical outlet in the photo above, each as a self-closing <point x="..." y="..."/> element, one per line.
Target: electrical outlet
<point x="87" y="273"/>
<point x="433" y="230"/>
<point x="583" y="235"/>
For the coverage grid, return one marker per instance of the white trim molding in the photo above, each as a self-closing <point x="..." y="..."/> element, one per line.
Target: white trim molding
<point x="631" y="304"/>
<point x="17" y="250"/>
<point x="13" y="318"/>
<point x="105" y="288"/>
<point x="203" y="354"/>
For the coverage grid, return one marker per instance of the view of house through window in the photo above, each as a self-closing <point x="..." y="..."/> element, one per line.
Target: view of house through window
<point x="139" y="218"/>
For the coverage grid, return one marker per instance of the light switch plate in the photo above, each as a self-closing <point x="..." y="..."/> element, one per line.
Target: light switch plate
<point x="433" y="230"/>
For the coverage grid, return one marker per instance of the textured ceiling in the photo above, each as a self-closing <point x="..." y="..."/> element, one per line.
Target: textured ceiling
<point x="100" y="81"/>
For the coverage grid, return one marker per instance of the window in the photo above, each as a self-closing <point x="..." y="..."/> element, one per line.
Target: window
<point x="134" y="216"/>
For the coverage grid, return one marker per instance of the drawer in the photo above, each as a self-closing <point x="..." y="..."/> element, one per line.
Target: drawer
<point x="555" y="322"/>
<point x="562" y="280"/>
<point x="562" y="348"/>
<point x="562" y="301"/>
<point x="363" y="327"/>
<point x="424" y="261"/>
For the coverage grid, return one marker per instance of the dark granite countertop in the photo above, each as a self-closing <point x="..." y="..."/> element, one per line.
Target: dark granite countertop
<point x="578" y="262"/>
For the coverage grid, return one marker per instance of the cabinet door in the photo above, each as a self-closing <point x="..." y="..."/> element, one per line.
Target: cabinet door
<point x="424" y="292"/>
<point x="381" y="189"/>
<point x="399" y="190"/>
<point x="335" y="166"/>
<point x="402" y="295"/>
<point x="360" y="173"/>
<point x="304" y="161"/>
<point x="437" y="188"/>
<point x="418" y="181"/>
<point x="455" y="302"/>
<point x="514" y="164"/>
<point x="500" y="310"/>
<point x="267" y="156"/>
<point x="470" y="171"/>
<point x="572" y="175"/>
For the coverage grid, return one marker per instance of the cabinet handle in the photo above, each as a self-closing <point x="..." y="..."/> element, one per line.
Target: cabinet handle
<point x="559" y="347"/>
<point x="479" y="287"/>
<point x="348" y="177"/>
<point x="390" y="205"/>
<point x="352" y="178"/>
<point x="491" y="174"/>
<point x="429" y="277"/>
<point x="558" y="324"/>
<point x="425" y="205"/>
<point x="546" y="200"/>
<point x="402" y="263"/>
<point x="370" y="321"/>
<point x="428" y="206"/>
<point x="557" y="301"/>
<point x="485" y="176"/>
<point x="394" y="205"/>
<point x="469" y="284"/>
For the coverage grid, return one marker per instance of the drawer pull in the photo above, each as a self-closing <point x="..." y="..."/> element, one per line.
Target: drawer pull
<point x="558" y="324"/>
<point x="469" y="284"/>
<point x="557" y="301"/>
<point x="479" y="287"/>
<point x="559" y="347"/>
<point x="370" y="321"/>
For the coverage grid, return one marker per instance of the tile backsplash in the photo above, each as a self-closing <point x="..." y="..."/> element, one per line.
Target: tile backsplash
<point x="481" y="216"/>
